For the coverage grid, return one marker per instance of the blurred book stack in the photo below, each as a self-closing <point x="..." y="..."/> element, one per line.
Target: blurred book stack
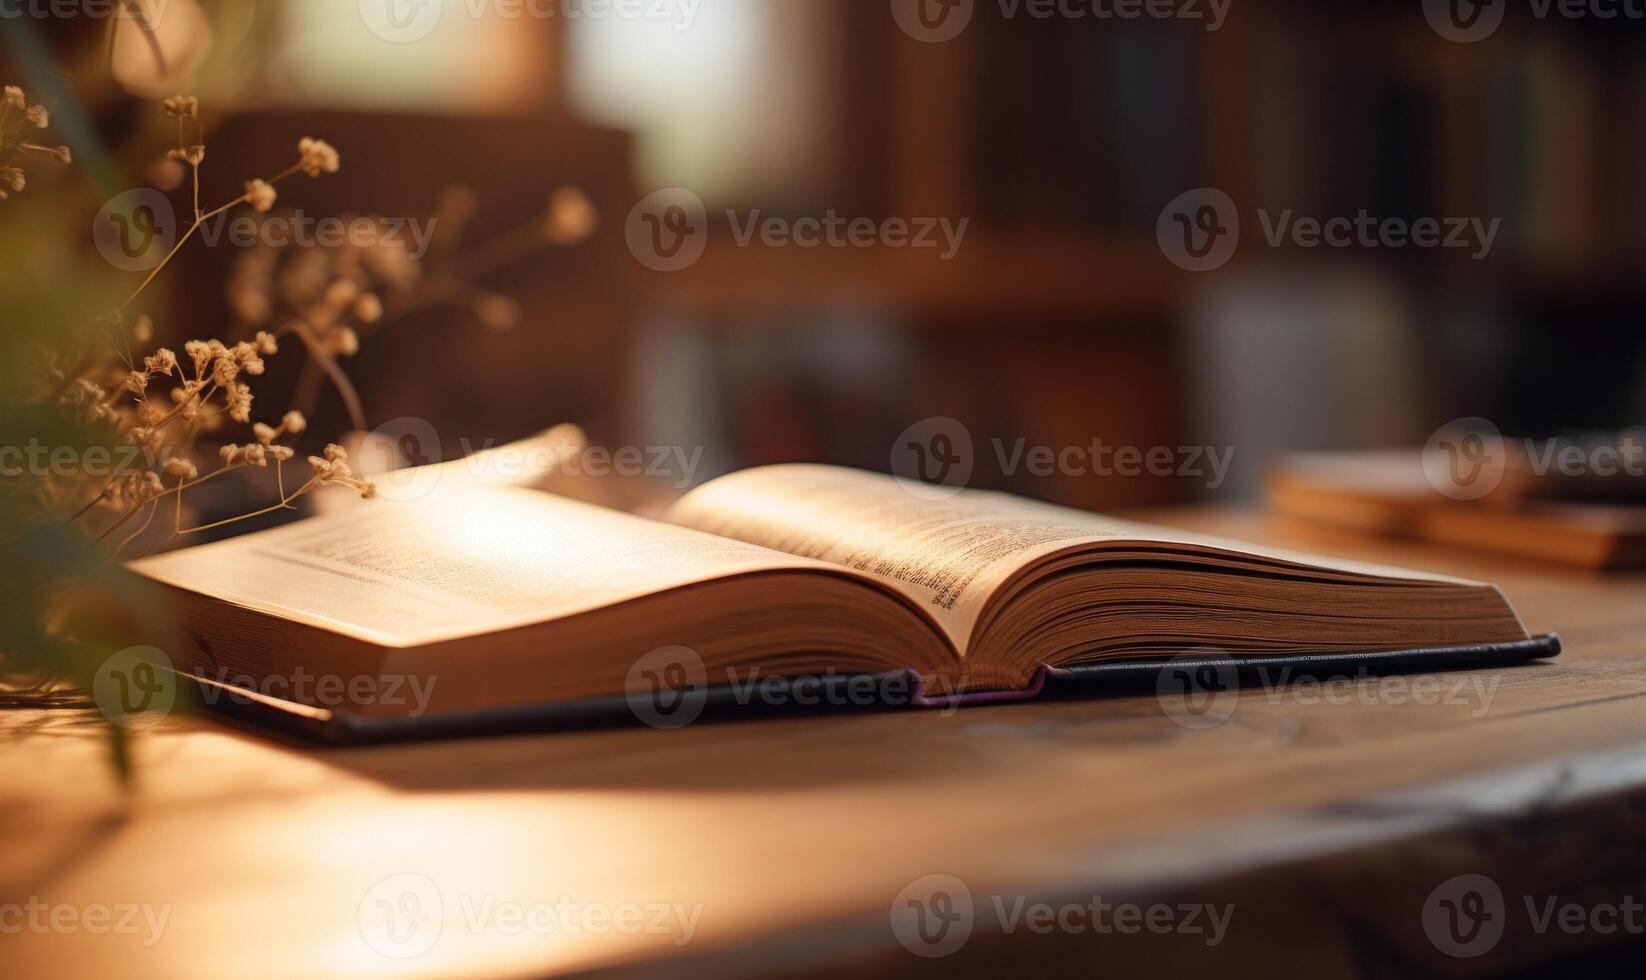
<point x="1515" y="499"/>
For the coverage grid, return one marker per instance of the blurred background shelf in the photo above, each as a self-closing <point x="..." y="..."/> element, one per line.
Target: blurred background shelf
<point x="1059" y="142"/>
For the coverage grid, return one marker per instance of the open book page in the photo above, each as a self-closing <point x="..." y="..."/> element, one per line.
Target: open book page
<point x="951" y="553"/>
<point x="456" y="563"/>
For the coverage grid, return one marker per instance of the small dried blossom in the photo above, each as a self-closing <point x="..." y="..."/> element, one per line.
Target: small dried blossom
<point x="239" y="398"/>
<point x="13" y="180"/>
<point x="342" y="292"/>
<point x="182" y="107"/>
<point x="368" y="308"/>
<point x="343" y="342"/>
<point x="571" y="217"/>
<point x="317" y="157"/>
<point x="181" y="469"/>
<point x="498" y="313"/>
<point x="333" y="470"/>
<point x="261" y="195"/>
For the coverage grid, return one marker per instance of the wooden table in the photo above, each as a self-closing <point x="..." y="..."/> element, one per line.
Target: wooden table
<point x="1328" y="817"/>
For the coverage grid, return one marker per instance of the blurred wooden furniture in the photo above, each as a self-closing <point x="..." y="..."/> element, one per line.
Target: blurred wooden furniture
<point x="1327" y="826"/>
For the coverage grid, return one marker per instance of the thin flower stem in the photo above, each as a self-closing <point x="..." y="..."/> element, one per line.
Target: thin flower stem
<point x="139" y="532"/>
<point x="345" y="387"/>
<point x="82" y="512"/>
<point x="284" y="504"/>
<point x="199" y="220"/>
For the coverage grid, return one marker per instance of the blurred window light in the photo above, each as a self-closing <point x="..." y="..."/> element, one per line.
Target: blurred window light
<point x="415" y="54"/>
<point x="722" y="94"/>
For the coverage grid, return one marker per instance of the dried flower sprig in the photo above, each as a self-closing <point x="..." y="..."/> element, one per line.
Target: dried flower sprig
<point x="209" y="383"/>
<point x="14" y="147"/>
<point x="331" y="297"/>
<point x="314" y="157"/>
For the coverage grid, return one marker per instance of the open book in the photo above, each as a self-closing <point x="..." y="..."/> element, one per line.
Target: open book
<point x="511" y="597"/>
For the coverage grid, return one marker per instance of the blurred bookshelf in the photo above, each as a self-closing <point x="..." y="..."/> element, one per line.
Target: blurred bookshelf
<point x="1062" y="141"/>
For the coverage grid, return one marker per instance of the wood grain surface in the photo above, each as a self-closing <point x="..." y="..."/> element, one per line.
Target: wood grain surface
<point x="1326" y="817"/>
